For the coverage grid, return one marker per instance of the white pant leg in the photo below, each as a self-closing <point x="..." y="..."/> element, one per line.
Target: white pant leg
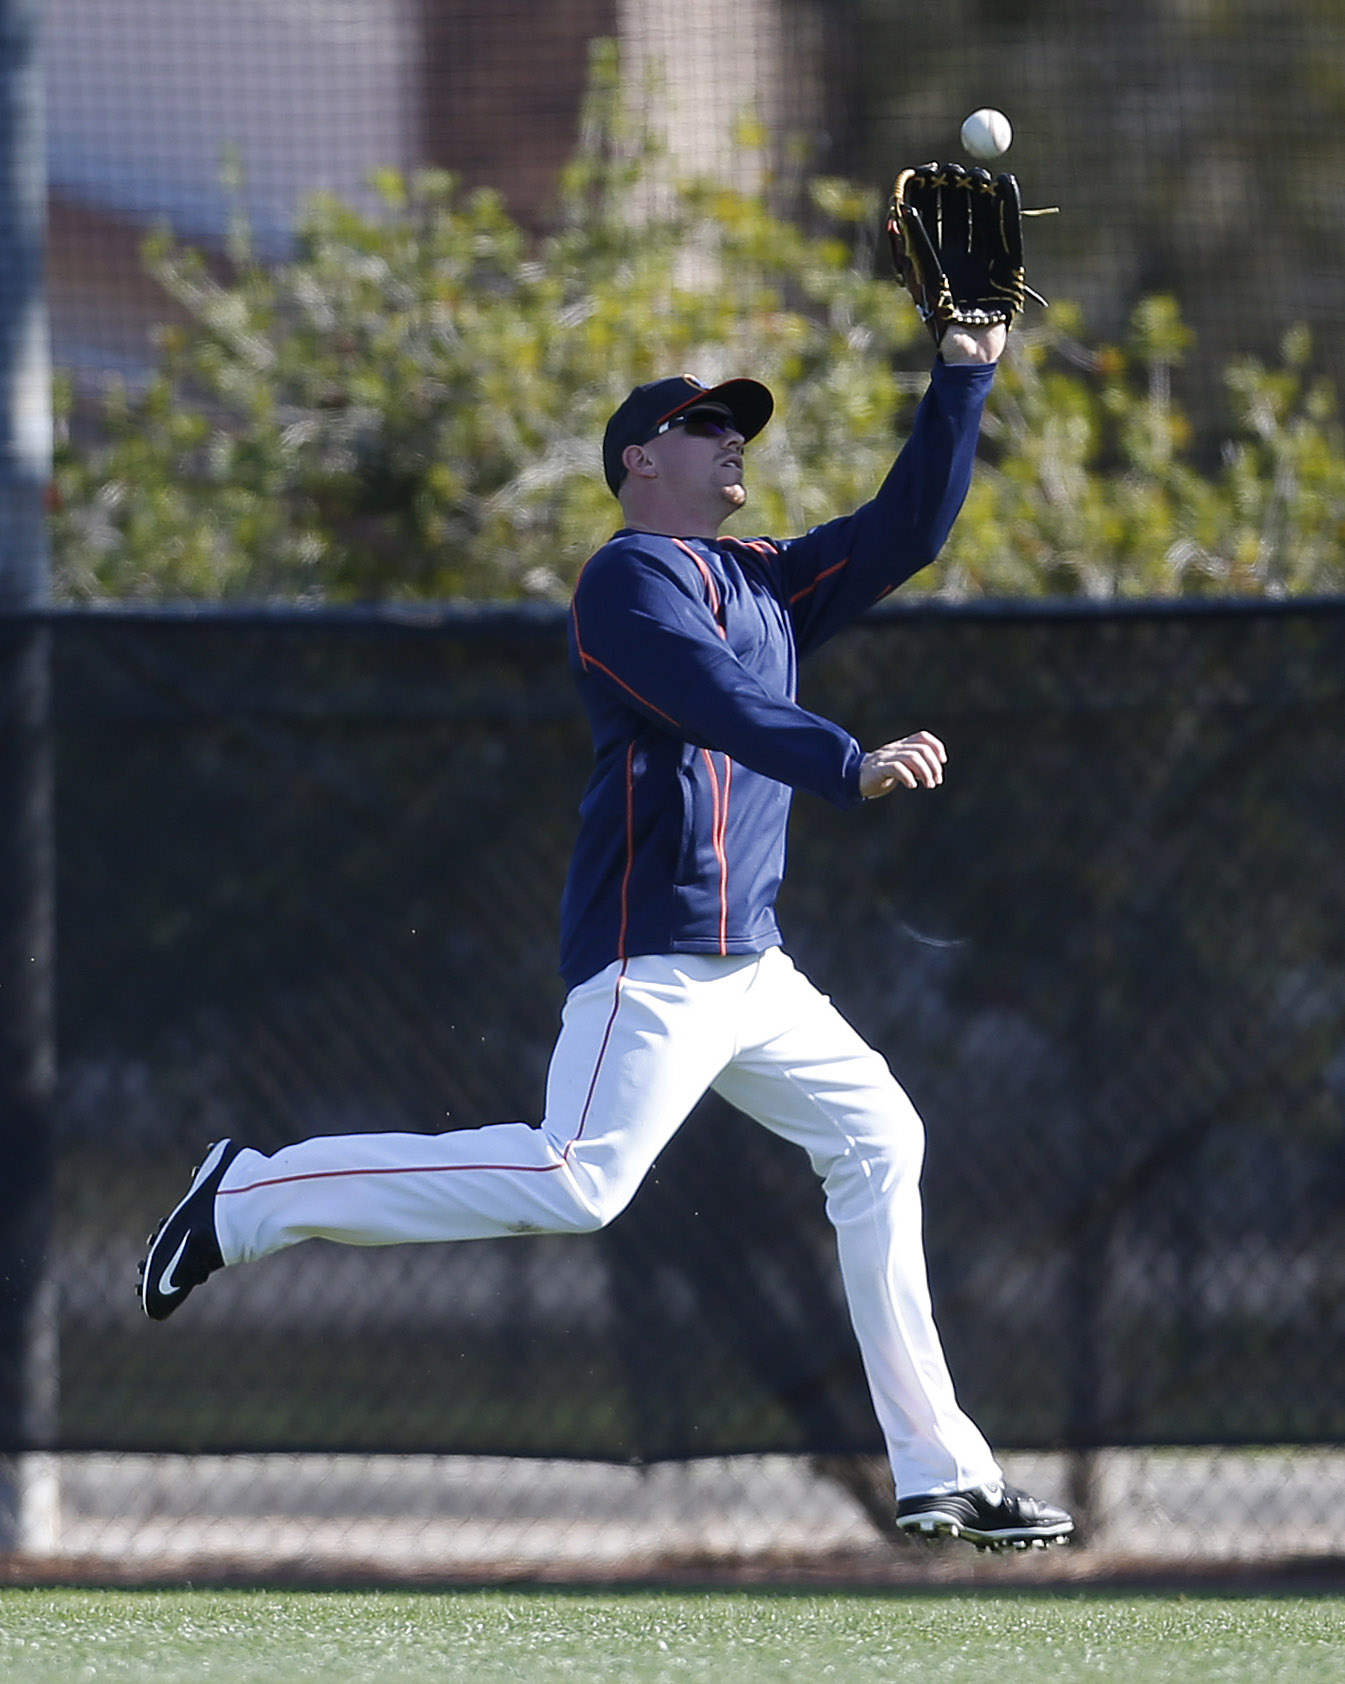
<point x="803" y="1072"/>
<point x="639" y="1044"/>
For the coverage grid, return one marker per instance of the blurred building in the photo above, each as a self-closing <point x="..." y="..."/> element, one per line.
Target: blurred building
<point x="167" y="112"/>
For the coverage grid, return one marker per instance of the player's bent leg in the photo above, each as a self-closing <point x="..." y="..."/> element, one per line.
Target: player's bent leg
<point x="664" y="1027"/>
<point x="629" y="1064"/>
<point x="398" y="1189"/>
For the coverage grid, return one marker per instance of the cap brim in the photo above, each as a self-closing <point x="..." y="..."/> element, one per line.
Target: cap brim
<point x="747" y="401"/>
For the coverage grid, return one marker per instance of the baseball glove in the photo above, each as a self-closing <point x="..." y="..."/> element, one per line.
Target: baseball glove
<point x="957" y="242"/>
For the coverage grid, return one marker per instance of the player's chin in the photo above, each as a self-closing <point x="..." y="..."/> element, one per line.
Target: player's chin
<point x="735" y="494"/>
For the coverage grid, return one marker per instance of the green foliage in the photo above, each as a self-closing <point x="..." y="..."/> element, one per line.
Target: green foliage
<point x="1094" y="484"/>
<point x="411" y="405"/>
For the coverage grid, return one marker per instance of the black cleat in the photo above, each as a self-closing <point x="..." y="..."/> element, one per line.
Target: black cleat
<point x="994" y="1517"/>
<point x="184" y="1250"/>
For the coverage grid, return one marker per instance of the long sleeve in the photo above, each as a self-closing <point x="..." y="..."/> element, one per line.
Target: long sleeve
<point x="839" y="569"/>
<point x="645" y="631"/>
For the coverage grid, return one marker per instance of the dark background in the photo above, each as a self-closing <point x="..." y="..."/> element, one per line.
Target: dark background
<point x="303" y="888"/>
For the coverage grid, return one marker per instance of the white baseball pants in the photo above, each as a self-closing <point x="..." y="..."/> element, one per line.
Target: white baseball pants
<point x="640" y="1044"/>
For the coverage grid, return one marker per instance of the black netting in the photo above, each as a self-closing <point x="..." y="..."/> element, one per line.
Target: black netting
<point x="308" y="873"/>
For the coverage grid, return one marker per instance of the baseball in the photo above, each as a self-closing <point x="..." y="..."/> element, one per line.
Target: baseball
<point x="987" y="133"/>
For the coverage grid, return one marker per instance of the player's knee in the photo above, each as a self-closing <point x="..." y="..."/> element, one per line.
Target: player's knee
<point x="906" y="1139"/>
<point x="886" y="1144"/>
<point x="899" y="1152"/>
<point x="593" y="1204"/>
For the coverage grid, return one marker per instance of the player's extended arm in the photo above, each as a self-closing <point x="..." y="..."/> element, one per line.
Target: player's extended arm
<point x="917" y="761"/>
<point x="839" y="569"/>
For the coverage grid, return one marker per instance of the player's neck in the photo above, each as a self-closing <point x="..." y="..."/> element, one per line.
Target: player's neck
<point x="675" y="529"/>
<point x="677" y="519"/>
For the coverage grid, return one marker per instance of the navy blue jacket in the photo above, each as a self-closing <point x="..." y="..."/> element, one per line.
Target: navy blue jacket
<point x="686" y="652"/>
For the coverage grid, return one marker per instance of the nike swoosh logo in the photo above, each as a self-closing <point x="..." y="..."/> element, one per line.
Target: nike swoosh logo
<point x="166" y="1282"/>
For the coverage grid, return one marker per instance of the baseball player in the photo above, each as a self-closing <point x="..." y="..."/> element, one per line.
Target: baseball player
<point x="684" y="645"/>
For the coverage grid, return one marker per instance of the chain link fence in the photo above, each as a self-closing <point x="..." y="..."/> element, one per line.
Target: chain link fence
<point x="307" y="872"/>
<point x="300" y="888"/>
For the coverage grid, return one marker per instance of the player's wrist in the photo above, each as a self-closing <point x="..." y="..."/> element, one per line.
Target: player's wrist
<point x="962" y="346"/>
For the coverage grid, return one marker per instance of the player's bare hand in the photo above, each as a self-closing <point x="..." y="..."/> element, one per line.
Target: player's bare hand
<point x="915" y="762"/>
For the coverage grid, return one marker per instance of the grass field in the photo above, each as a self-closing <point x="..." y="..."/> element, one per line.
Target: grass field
<point x="274" y="1637"/>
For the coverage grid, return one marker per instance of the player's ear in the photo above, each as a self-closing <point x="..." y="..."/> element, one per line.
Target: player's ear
<point x="637" y="461"/>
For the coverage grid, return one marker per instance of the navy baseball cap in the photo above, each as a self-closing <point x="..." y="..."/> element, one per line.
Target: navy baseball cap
<point x="649" y="406"/>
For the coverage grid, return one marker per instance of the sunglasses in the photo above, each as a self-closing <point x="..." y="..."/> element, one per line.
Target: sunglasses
<point x="701" y="424"/>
